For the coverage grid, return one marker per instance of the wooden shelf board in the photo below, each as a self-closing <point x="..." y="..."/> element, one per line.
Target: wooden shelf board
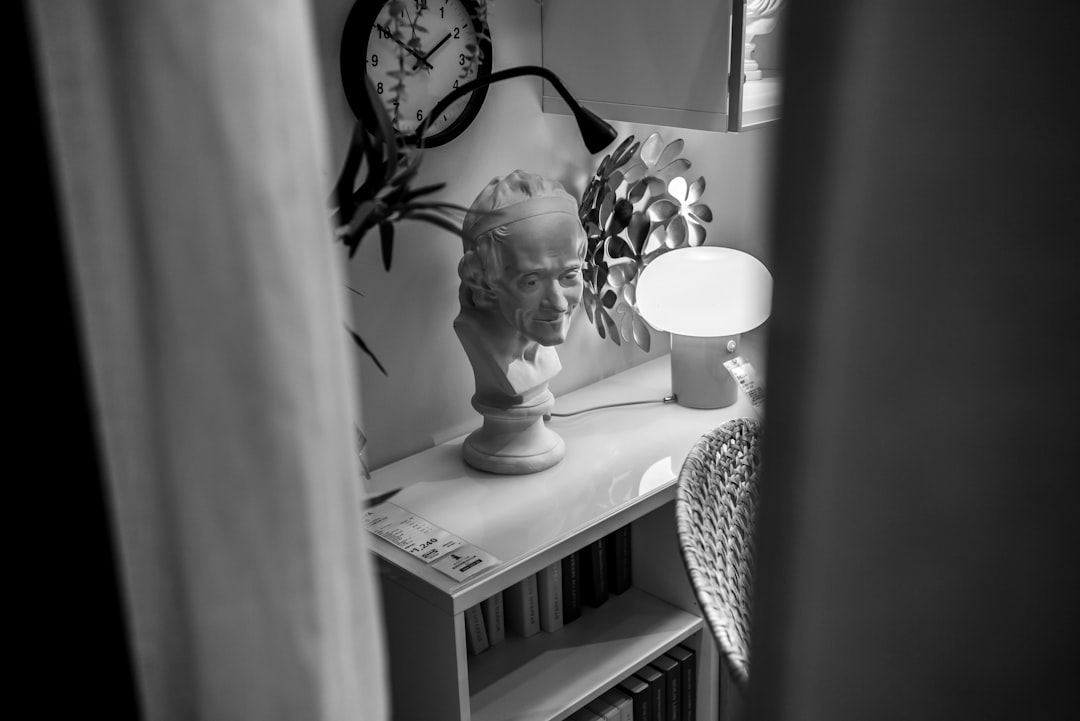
<point x="515" y="680"/>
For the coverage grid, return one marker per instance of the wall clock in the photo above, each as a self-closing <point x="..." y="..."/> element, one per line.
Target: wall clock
<point x="415" y="52"/>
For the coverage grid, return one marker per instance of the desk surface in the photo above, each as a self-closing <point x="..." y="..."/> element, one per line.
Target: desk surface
<point x="615" y="458"/>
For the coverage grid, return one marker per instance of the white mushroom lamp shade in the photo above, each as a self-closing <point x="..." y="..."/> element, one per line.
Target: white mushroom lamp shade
<point x="705" y="297"/>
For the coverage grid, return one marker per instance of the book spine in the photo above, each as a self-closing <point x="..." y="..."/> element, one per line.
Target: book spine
<point x="494" y="618"/>
<point x="640" y="697"/>
<point x="621" y="701"/>
<point x="594" y="573"/>
<point x="571" y="586"/>
<point x="476" y="640"/>
<point x="672" y="686"/>
<point x="584" y="714"/>
<point x="657" y="697"/>
<point x="688" y="675"/>
<point x="603" y="709"/>
<point x="520" y="604"/>
<point x="619" y="569"/>
<point x="549" y="587"/>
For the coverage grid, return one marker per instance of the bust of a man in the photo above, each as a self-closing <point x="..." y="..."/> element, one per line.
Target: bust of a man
<point x="520" y="282"/>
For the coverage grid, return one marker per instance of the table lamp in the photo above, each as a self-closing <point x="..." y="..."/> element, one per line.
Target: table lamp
<point x="705" y="297"/>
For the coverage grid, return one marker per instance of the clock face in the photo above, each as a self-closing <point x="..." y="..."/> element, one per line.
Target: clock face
<point x="415" y="52"/>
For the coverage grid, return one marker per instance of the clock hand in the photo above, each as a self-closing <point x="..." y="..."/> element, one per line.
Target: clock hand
<point x="428" y="54"/>
<point x="411" y="50"/>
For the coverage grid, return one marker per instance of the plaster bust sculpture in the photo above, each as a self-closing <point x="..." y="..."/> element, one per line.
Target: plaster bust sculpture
<point x="520" y="282"/>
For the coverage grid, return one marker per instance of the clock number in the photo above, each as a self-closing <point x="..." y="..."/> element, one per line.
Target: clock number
<point x="457" y="33"/>
<point x="421" y="5"/>
<point x="455" y="84"/>
<point x="375" y="60"/>
<point x="442" y="12"/>
<point x="461" y="59"/>
<point x="379" y="88"/>
<point x="419" y="115"/>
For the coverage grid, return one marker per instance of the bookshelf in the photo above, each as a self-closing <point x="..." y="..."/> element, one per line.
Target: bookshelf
<point x="620" y="469"/>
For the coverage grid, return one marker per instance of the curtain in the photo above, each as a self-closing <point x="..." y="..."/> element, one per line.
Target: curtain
<point x="917" y="520"/>
<point x="189" y="144"/>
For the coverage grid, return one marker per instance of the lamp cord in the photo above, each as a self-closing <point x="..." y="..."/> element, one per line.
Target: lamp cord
<point x="376" y="500"/>
<point x="665" y="399"/>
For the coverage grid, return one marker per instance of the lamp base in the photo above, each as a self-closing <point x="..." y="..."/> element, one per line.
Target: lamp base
<point x="698" y="376"/>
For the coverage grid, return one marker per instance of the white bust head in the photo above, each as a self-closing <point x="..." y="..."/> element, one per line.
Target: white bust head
<point x="523" y="251"/>
<point x="520" y="274"/>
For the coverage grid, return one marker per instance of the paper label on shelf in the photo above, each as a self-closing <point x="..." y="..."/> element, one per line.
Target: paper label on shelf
<point x="465" y="562"/>
<point x="745" y="375"/>
<point x="410" y="532"/>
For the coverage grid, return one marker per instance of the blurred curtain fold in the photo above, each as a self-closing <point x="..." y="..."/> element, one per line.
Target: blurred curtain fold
<point x="189" y="141"/>
<point x="917" y="517"/>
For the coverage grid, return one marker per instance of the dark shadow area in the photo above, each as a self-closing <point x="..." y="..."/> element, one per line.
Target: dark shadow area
<point x="80" y="653"/>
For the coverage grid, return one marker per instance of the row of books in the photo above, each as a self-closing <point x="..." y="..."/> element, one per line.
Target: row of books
<point x="663" y="690"/>
<point x="553" y="597"/>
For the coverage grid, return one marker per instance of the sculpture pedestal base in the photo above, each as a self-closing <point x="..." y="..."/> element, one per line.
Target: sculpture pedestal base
<point x="514" y="440"/>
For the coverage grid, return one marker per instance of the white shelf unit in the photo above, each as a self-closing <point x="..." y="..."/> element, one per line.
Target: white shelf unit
<point x="620" y="468"/>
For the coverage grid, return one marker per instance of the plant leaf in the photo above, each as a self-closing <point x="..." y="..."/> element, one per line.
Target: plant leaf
<point x="407" y="171"/>
<point x="386" y="132"/>
<point x="430" y="205"/>
<point x="436" y="220"/>
<point x="386" y="240"/>
<point x="343" y="189"/>
<point x="364" y="347"/>
<point x="375" y="165"/>
<point x="412" y="193"/>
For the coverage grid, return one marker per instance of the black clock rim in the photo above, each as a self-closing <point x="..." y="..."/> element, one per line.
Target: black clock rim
<point x="354" y="41"/>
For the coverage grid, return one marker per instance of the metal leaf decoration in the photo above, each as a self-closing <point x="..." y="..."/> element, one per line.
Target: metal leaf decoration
<point x="638" y="205"/>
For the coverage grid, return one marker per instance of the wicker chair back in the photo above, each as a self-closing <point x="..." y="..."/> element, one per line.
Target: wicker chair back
<point x="715" y="506"/>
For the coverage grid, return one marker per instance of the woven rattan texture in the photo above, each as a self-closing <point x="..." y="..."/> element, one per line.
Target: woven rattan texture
<point x="715" y="504"/>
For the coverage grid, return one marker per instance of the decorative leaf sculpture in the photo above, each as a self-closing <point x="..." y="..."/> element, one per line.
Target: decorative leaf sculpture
<point x="638" y="205"/>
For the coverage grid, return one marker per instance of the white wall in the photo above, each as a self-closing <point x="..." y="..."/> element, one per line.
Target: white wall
<point x="406" y="314"/>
